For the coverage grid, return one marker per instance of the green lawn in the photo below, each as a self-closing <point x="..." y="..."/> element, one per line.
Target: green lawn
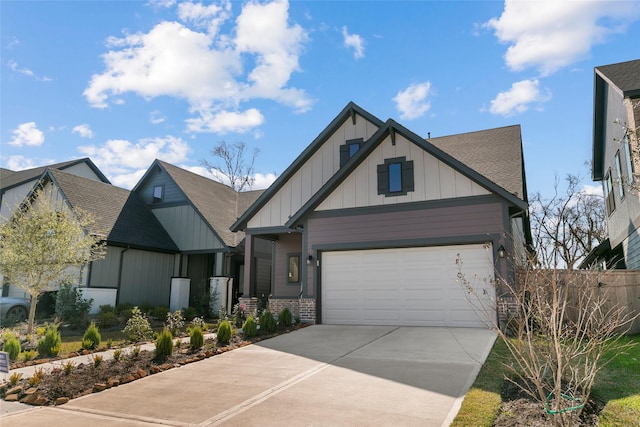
<point x="618" y="384"/>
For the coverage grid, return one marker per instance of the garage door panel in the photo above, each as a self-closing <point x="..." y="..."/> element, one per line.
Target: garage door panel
<point x="405" y="286"/>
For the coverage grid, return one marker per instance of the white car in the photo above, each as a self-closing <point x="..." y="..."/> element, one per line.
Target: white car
<point x="13" y="309"/>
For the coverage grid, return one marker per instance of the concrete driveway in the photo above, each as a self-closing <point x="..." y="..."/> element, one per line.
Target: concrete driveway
<point x="317" y="376"/>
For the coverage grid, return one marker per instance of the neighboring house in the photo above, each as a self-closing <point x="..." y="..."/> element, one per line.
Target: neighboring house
<point x="16" y="185"/>
<point x="174" y="224"/>
<point x="367" y="224"/>
<point x="197" y="212"/>
<point x="616" y="121"/>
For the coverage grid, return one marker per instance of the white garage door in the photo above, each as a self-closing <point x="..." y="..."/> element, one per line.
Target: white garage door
<point x="406" y="286"/>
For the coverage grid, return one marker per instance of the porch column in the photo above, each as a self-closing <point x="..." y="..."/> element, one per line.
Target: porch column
<point x="245" y="287"/>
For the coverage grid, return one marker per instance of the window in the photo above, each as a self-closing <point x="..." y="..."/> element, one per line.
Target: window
<point x="294" y="268"/>
<point x="627" y="157"/>
<point x="395" y="177"/>
<point x="157" y="194"/>
<point x="349" y="149"/>
<point x="619" y="173"/>
<point x="608" y="194"/>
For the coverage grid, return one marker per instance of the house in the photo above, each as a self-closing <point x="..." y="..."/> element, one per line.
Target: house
<point x="615" y="162"/>
<point x="172" y="228"/>
<point x="197" y="213"/>
<point x="16" y="185"/>
<point x="367" y="224"/>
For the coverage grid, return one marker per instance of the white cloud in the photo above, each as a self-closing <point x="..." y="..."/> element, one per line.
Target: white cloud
<point x="83" y="130"/>
<point x="592" y="190"/>
<point x="27" y="134"/>
<point x="18" y="163"/>
<point x="353" y="41"/>
<point x="206" y="68"/>
<point x="550" y="35"/>
<point x="412" y="102"/>
<point x="128" y="180"/>
<point x="225" y="121"/>
<point x="26" y="71"/>
<point x="518" y="98"/>
<point x="122" y="160"/>
<point x="208" y="17"/>
<point x="156" y="117"/>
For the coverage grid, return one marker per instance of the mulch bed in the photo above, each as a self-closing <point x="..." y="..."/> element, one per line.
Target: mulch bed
<point x="58" y="385"/>
<point x="520" y="410"/>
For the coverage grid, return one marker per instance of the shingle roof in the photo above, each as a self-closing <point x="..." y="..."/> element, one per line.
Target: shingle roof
<point x="119" y="214"/>
<point x="19" y="177"/>
<point x="218" y="204"/>
<point x="624" y="75"/>
<point x="4" y="174"/>
<point x="494" y="153"/>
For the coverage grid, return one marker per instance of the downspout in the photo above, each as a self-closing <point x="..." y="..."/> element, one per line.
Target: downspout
<point x="120" y="274"/>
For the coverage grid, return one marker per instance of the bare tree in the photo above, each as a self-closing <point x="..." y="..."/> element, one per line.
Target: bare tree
<point x="568" y="225"/>
<point x="631" y="139"/>
<point x="559" y="326"/>
<point x="236" y="169"/>
<point x="43" y="244"/>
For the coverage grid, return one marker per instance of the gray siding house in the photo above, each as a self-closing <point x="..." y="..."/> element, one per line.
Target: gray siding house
<point x="366" y="226"/>
<point x="16" y="185"/>
<point x="197" y="213"/>
<point x="616" y="124"/>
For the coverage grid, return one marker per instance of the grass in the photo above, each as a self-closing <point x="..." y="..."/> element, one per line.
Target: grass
<point x="617" y="384"/>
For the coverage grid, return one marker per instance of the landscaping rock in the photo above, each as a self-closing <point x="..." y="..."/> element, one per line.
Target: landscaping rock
<point x="61" y="401"/>
<point x="11" y="397"/>
<point x="98" y="387"/>
<point x="16" y="390"/>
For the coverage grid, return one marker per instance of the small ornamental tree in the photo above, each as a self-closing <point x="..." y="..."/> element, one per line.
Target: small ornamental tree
<point x="43" y="244"/>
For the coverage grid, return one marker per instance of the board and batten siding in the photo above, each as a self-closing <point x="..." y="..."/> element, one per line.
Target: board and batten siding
<point x="433" y="179"/>
<point x="288" y="244"/>
<point x="104" y="272"/>
<point x="187" y="229"/>
<point x="146" y="277"/>
<point x="307" y="180"/>
<point x="433" y="224"/>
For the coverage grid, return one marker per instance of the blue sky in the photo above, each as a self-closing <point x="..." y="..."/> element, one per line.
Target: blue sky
<point x="127" y="82"/>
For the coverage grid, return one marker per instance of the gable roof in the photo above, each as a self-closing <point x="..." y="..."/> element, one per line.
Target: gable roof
<point x="120" y="215"/>
<point x="494" y="153"/>
<point x="218" y="205"/>
<point x="625" y="76"/>
<point x="348" y="112"/>
<point x="20" y="177"/>
<point x="391" y="128"/>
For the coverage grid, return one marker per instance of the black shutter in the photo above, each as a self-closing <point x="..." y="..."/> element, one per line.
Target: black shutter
<point x="344" y="154"/>
<point x="407" y="176"/>
<point x="383" y="179"/>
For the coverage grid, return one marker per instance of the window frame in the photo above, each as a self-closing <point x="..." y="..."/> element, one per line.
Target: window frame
<point x="155" y="199"/>
<point x="628" y="160"/>
<point x="618" y="165"/>
<point x="610" y="202"/>
<point x="406" y="177"/>
<point x="345" y="150"/>
<point x="290" y="278"/>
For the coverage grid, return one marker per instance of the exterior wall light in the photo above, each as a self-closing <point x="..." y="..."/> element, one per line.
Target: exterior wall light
<point x="502" y="252"/>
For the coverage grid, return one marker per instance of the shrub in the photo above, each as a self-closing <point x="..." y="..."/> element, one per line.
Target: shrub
<point x="36" y="378"/>
<point x="14" y="378"/>
<point x="91" y="338"/>
<point x="138" y="327"/>
<point x="106" y="308"/>
<point x="196" y="338"/>
<point x="284" y="317"/>
<point x="28" y="355"/>
<point x="50" y="345"/>
<point x="199" y="321"/>
<point x="267" y="322"/>
<point x="250" y="328"/>
<point x="107" y="319"/>
<point x="189" y="313"/>
<point x="160" y="312"/>
<point x="145" y="308"/>
<point x="117" y="354"/>
<point x="109" y="343"/>
<point x="175" y="322"/>
<point x="224" y="332"/>
<point x="11" y="346"/>
<point x="71" y="306"/>
<point x="97" y="360"/>
<point x="68" y="367"/>
<point x="124" y="310"/>
<point x="164" y="344"/>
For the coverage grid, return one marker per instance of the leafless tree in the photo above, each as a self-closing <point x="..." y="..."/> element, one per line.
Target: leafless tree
<point x="560" y="327"/>
<point x="631" y="138"/>
<point x="568" y="225"/>
<point x="235" y="165"/>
